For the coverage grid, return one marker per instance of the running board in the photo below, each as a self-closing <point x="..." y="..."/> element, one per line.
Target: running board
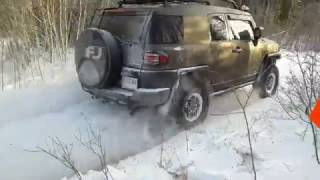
<point x="232" y="88"/>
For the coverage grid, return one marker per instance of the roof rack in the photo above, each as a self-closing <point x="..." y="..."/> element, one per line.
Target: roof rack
<point x="204" y="2"/>
<point x="164" y="2"/>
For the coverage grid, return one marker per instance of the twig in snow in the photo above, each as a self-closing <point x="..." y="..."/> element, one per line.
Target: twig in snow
<point x="94" y="144"/>
<point x="62" y="153"/>
<point x="243" y="108"/>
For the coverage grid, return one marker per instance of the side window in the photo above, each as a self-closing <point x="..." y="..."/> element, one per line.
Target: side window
<point x="241" y="30"/>
<point x="166" y="29"/>
<point x="218" y="28"/>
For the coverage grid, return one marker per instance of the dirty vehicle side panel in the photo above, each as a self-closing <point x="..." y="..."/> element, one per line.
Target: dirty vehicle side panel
<point x="225" y="69"/>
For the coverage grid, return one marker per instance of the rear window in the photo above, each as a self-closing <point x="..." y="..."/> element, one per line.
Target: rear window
<point x="166" y="29"/>
<point x="127" y="27"/>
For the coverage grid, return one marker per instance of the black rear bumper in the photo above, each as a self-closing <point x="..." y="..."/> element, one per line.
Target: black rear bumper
<point x="154" y="88"/>
<point x="138" y="97"/>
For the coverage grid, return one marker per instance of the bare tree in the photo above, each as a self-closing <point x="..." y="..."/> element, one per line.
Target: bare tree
<point x="243" y="103"/>
<point x="2" y="64"/>
<point x="243" y="106"/>
<point x="41" y="27"/>
<point x="302" y="88"/>
<point x="93" y="143"/>
<point x="62" y="153"/>
<point x="42" y="32"/>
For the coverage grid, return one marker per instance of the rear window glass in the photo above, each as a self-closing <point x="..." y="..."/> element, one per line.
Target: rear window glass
<point x="122" y="26"/>
<point x="166" y="29"/>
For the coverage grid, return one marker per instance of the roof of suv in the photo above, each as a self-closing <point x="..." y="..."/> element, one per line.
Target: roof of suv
<point x="187" y="9"/>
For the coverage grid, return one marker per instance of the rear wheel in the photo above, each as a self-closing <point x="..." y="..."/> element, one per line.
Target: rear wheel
<point x="191" y="103"/>
<point x="269" y="82"/>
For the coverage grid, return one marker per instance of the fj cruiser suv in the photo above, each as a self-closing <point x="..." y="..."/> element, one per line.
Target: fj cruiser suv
<point x="174" y="53"/>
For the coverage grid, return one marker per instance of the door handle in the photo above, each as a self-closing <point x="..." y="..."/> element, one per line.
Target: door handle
<point x="237" y="50"/>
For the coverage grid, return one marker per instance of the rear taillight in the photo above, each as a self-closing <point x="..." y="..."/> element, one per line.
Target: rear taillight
<point x="155" y="59"/>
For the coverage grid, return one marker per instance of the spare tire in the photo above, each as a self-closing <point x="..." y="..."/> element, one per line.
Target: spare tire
<point x="98" y="59"/>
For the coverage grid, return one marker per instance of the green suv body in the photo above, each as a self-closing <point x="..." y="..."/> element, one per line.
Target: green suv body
<point x="175" y="53"/>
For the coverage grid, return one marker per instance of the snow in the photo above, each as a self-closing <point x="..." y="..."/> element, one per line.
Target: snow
<point x="215" y="150"/>
<point x="218" y="149"/>
<point x="60" y="108"/>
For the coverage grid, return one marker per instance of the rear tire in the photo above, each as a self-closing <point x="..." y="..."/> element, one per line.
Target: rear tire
<point x="269" y="82"/>
<point x="191" y="103"/>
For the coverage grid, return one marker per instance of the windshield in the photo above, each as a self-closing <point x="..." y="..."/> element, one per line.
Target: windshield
<point x="123" y="26"/>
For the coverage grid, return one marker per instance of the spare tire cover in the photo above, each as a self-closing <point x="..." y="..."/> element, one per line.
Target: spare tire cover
<point x="98" y="59"/>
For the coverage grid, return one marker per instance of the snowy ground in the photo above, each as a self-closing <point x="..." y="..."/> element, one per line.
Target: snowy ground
<point x="214" y="150"/>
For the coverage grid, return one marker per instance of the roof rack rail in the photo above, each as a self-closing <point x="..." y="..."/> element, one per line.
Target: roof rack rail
<point x="161" y="2"/>
<point x="232" y="3"/>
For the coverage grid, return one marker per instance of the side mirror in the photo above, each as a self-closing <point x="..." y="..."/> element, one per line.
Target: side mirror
<point x="258" y="32"/>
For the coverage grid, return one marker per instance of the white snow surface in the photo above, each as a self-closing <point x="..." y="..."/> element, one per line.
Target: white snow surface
<point x="214" y="150"/>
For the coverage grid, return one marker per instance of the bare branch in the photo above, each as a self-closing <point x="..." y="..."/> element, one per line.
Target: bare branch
<point x="243" y="108"/>
<point x="62" y="153"/>
<point x="299" y="94"/>
<point x="93" y="143"/>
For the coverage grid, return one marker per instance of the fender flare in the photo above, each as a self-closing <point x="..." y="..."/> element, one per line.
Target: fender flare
<point x="184" y="71"/>
<point x="268" y="60"/>
<point x="274" y="56"/>
<point x="198" y="73"/>
<point x="195" y="72"/>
